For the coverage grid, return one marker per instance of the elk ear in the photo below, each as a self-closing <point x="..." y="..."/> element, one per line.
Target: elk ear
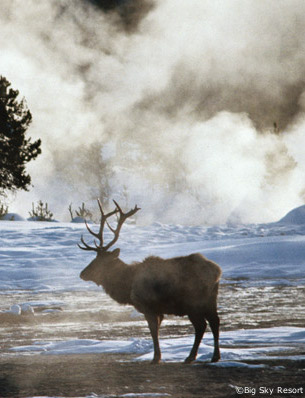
<point x="116" y="252"/>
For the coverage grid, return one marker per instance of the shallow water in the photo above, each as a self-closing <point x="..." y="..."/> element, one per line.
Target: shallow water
<point x="93" y="315"/>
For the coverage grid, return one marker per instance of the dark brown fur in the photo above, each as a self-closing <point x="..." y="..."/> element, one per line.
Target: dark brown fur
<point x="180" y="286"/>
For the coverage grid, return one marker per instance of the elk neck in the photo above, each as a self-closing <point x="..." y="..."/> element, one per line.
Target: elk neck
<point x="114" y="276"/>
<point x="117" y="281"/>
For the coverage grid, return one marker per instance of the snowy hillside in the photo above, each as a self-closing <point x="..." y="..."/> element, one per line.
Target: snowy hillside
<point x="44" y="256"/>
<point x="295" y="216"/>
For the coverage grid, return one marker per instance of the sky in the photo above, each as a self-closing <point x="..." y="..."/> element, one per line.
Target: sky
<point x="167" y="104"/>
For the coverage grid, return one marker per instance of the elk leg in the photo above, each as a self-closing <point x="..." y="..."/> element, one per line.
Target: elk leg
<point x="154" y="322"/>
<point x="213" y="320"/>
<point x="200" y="325"/>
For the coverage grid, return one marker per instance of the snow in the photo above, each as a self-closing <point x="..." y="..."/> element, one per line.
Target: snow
<point x="12" y="217"/>
<point x="79" y="220"/>
<point x="14" y="310"/>
<point x="43" y="257"/>
<point x="295" y="216"/>
<point x="261" y="344"/>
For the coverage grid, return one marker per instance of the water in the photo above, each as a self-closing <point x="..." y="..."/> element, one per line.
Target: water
<point x="93" y="315"/>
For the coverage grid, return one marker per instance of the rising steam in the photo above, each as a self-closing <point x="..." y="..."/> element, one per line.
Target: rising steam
<point x="166" y="103"/>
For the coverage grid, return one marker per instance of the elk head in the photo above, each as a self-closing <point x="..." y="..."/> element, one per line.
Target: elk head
<point x="104" y="257"/>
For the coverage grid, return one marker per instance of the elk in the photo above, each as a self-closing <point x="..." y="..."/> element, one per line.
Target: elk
<point x="180" y="286"/>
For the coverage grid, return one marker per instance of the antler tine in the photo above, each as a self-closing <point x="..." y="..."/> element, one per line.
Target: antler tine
<point x="117" y="206"/>
<point x="87" y="247"/>
<point x="98" y="235"/>
<point x="133" y="211"/>
<point x="122" y="219"/>
<point x="90" y="230"/>
<point x="130" y="213"/>
<point x="100" y="206"/>
<point x="103" y="220"/>
<point x="110" y="227"/>
<point x="105" y="216"/>
<point x="116" y="231"/>
<point x="96" y="245"/>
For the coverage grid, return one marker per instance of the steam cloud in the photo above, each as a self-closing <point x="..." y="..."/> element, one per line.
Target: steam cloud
<point x="167" y="103"/>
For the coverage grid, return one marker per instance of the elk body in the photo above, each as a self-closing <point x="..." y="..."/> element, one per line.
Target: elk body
<point x="180" y="286"/>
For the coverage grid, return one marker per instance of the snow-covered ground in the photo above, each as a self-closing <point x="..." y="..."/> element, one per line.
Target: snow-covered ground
<point x="258" y="344"/>
<point x="40" y="265"/>
<point x="43" y="256"/>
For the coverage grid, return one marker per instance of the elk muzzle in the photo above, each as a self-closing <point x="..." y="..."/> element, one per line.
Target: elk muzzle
<point x="90" y="273"/>
<point x="84" y="275"/>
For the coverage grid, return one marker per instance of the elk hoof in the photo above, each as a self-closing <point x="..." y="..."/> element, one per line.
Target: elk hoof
<point x="155" y="361"/>
<point x="215" y="358"/>
<point x="189" y="360"/>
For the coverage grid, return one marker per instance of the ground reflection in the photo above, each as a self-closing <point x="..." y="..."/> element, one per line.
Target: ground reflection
<point x="93" y="315"/>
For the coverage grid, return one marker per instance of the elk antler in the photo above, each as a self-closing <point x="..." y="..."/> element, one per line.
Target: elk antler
<point x="122" y="218"/>
<point x="116" y="231"/>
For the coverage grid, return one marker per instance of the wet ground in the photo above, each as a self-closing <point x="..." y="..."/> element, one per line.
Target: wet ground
<point x="93" y="315"/>
<point x="118" y="376"/>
